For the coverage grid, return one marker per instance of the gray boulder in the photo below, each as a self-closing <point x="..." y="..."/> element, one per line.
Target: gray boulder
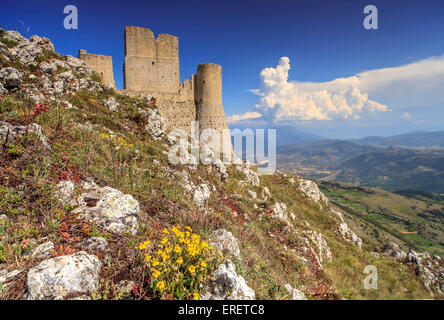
<point x="295" y="294"/>
<point x="223" y="240"/>
<point x="201" y="195"/>
<point x="10" y="77"/>
<point x="55" y="278"/>
<point x="109" y="208"/>
<point x="227" y="285"/>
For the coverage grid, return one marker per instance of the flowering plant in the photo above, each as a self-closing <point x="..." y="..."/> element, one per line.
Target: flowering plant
<point x="39" y="108"/>
<point x="178" y="263"/>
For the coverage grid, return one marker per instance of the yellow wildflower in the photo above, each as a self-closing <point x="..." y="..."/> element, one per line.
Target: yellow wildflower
<point x="195" y="296"/>
<point x="156" y="273"/>
<point x="177" y="249"/>
<point x="192" y="269"/>
<point x="180" y="260"/>
<point x="160" y="285"/>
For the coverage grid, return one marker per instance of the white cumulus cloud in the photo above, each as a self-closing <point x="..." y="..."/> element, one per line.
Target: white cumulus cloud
<point x="284" y="100"/>
<point x="246" y="116"/>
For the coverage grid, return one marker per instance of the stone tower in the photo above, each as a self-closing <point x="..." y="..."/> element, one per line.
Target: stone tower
<point x="103" y="65"/>
<point x="151" y="64"/>
<point x="208" y="97"/>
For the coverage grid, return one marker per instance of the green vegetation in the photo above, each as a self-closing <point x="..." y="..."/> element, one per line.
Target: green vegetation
<point x="380" y="216"/>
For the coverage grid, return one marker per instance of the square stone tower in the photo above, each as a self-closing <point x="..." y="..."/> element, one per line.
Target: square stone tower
<point x="151" y="64"/>
<point x="103" y="65"/>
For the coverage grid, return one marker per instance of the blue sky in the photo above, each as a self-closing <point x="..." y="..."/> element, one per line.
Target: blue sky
<point x="323" y="40"/>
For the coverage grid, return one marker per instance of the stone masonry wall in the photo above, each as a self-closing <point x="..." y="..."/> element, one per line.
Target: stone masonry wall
<point x="151" y="64"/>
<point x="103" y="65"/>
<point x="177" y="108"/>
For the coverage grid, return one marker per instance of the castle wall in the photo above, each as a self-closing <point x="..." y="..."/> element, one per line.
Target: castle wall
<point x="103" y="65"/>
<point x="177" y="108"/>
<point x="151" y="64"/>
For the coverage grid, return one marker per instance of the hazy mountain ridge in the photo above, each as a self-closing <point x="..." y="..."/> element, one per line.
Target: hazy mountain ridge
<point x="368" y="162"/>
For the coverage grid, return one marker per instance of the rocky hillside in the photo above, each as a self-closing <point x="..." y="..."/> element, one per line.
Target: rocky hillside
<point x="91" y="208"/>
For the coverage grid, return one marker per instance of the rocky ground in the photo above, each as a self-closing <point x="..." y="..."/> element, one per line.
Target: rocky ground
<point x="85" y="181"/>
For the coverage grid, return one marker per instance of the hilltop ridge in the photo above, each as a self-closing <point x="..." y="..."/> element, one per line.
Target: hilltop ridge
<point x="92" y="208"/>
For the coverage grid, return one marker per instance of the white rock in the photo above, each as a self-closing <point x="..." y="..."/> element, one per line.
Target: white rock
<point x="227" y="285"/>
<point x="280" y="212"/>
<point x="155" y="123"/>
<point x="322" y="250"/>
<point x="112" y="104"/>
<point x="55" y="278"/>
<point x="311" y="190"/>
<point x="252" y="194"/>
<point x="110" y="208"/>
<point x="295" y="294"/>
<point x="28" y="54"/>
<point x="6" y="276"/>
<point x="10" y="77"/>
<point x="251" y="177"/>
<point x="347" y="234"/>
<point x="43" y="250"/>
<point x="201" y="195"/>
<point x="44" y="43"/>
<point x="223" y="240"/>
<point x="221" y="169"/>
<point x="95" y="243"/>
<point x="16" y="132"/>
<point x="13" y="36"/>
<point x="265" y="194"/>
<point x="65" y="192"/>
<point x="393" y="250"/>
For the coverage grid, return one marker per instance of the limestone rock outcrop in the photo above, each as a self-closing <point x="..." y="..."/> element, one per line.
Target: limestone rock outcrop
<point x="223" y="240"/>
<point x="109" y="208"/>
<point x="227" y="285"/>
<point x="295" y="294"/>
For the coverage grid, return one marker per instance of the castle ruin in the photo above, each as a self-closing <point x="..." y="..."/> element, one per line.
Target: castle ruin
<point x="151" y="69"/>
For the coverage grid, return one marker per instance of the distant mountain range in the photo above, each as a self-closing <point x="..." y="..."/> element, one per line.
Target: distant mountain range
<point x="412" y="139"/>
<point x="409" y="161"/>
